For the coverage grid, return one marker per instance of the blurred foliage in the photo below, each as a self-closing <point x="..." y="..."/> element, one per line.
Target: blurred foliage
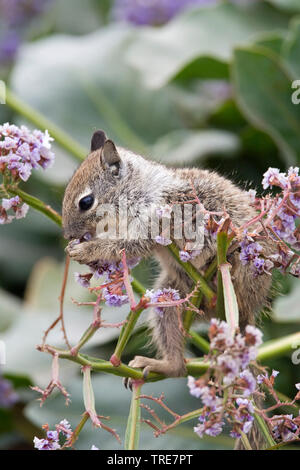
<point x="212" y="88"/>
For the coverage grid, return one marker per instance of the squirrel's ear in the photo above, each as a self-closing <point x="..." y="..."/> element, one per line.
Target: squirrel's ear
<point x="98" y="140"/>
<point x="110" y="157"/>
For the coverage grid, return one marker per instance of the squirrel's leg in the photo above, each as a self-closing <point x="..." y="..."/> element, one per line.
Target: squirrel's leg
<point x="168" y="337"/>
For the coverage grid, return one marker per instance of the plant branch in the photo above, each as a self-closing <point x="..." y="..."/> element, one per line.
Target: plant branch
<point x="39" y="120"/>
<point x="36" y="203"/>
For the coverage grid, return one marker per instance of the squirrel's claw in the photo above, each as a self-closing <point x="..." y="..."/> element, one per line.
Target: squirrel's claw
<point x="127" y="382"/>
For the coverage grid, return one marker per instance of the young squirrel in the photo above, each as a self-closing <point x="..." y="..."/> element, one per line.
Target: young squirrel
<point x="111" y="173"/>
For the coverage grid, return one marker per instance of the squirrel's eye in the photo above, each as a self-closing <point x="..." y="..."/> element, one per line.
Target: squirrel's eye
<point x="86" y="202"/>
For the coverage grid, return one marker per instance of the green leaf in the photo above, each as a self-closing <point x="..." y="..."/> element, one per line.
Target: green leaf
<point x="263" y="91"/>
<point x="272" y="41"/>
<point x="184" y="147"/>
<point x="161" y="55"/>
<point x="89" y="85"/>
<point x="286" y="308"/>
<point x="288" y="5"/>
<point x="291" y="48"/>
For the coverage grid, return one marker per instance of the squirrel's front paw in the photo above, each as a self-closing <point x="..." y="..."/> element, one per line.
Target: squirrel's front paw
<point x="83" y="252"/>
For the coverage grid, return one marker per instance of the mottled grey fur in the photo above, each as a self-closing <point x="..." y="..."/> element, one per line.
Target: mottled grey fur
<point x="145" y="183"/>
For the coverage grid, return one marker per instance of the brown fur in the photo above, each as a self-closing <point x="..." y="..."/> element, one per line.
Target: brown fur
<point x="146" y="183"/>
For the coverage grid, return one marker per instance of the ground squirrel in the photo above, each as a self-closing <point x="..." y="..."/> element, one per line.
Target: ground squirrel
<point x="112" y="174"/>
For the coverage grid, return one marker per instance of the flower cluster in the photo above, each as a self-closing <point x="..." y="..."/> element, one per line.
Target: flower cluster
<point x="8" y="397"/>
<point x="283" y="427"/>
<point x="114" y="291"/>
<point x="22" y="150"/>
<point x="230" y="357"/>
<point x="165" y="296"/>
<point x="188" y="255"/>
<point x="279" y="215"/>
<point x="252" y="252"/>
<point x="18" y="210"/>
<point x="152" y="12"/>
<point x="52" y="441"/>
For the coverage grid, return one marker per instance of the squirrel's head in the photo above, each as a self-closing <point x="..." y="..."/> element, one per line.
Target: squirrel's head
<point x="90" y="187"/>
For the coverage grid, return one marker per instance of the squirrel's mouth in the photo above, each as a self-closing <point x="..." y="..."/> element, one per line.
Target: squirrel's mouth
<point x="85" y="238"/>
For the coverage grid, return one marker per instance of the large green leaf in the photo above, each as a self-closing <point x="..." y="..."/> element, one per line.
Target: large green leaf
<point x="88" y="85"/>
<point x="187" y="146"/>
<point x="291" y="48"/>
<point x="263" y="91"/>
<point x="286" y="308"/>
<point x="160" y="55"/>
<point x="288" y="5"/>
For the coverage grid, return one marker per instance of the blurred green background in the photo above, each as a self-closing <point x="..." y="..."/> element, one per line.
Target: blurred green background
<point x="205" y="84"/>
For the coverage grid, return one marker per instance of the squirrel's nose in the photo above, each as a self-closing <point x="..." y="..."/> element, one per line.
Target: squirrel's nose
<point x="67" y="234"/>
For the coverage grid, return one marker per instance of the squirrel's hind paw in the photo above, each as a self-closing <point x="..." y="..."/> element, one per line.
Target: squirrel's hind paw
<point x="160" y="366"/>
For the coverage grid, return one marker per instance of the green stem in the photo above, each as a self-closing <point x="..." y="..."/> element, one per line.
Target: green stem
<point x="39" y="120"/>
<point x="192" y="273"/>
<point x="189" y="315"/>
<point x="133" y="425"/>
<point x="91" y="330"/>
<point x="200" y="342"/>
<point x="78" y="429"/>
<point x="126" y="332"/>
<point x="138" y="287"/>
<point x="264" y="429"/>
<point x="278" y="347"/>
<point x="194" y="368"/>
<point x="245" y="441"/>
<point x="36" y="204"/>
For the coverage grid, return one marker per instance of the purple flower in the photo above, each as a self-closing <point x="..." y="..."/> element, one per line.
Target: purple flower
<point x="273" y="177"/>
<point x="10" y="203"/>
<point x="274" y="373"/>
<point x="252" y="195"/>
<point x="188" y="255"/>
<point x="184" y="256"/>
<point x="52" y="435"/>
<point x="45" y="444"/>
<point x="114" y="300"/>
<point x="195" y="391"/>
<point x="8" y="397"/>
<point x="83" y="279"/>
<point x="249" y="250"/>
<point x="162" y="295"/>
<point x="162" y="240"/>
<point x="248" y="382"/>
<point x="211" y="429"/>
<point x="64" y="427"/>
<point x="9" y="44"/>
<point x="22" y="150"/>
<point x="152" y="12"/>
<point x="253" y="336"/>
<point x="230" y="367"/>
<point x="284" y="427"/>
